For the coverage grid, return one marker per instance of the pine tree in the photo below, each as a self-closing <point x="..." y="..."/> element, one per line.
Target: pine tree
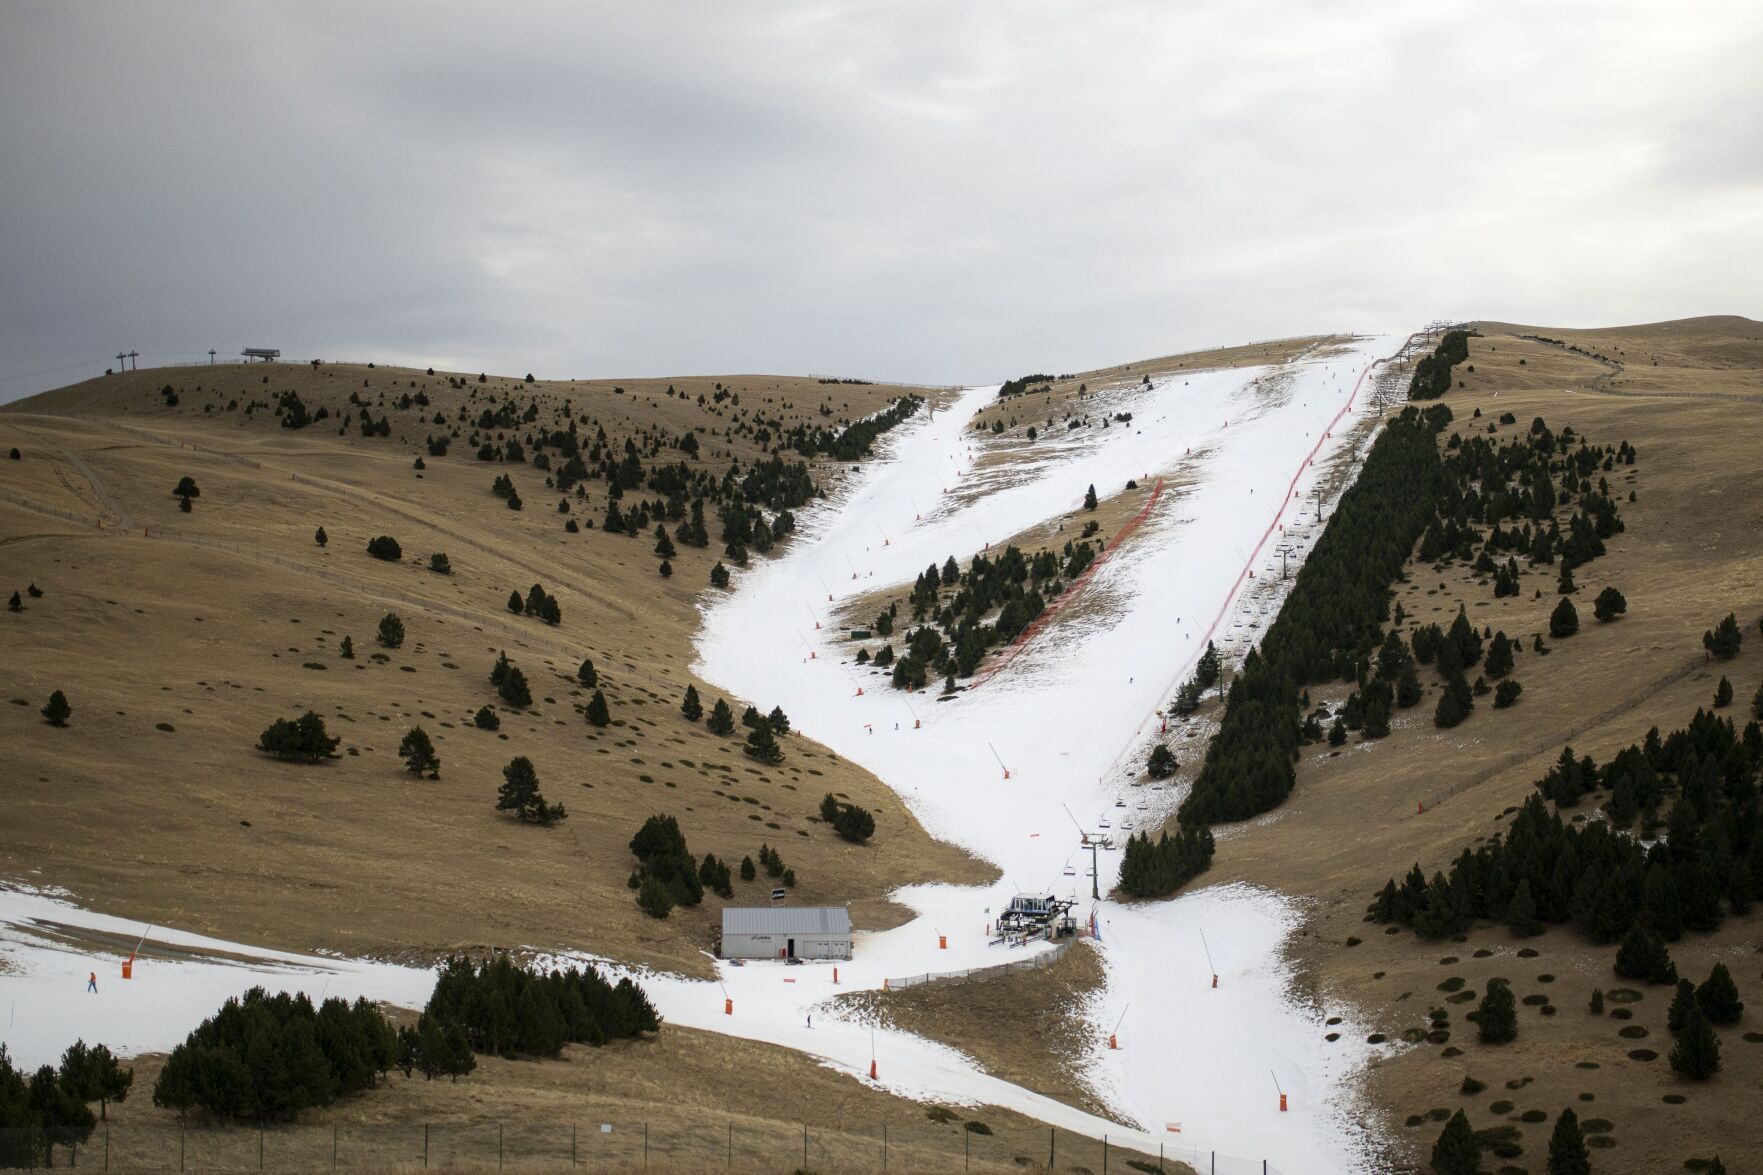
<point x="597" y="712"/>
<point x="721" y="720"/>
<point x="586" y="674"/>
<point x="1564" y="620"/>
<point x="665" y="569"/>
<point x="1718" y="997"/>
<point x="92" y="1075"/>
<point x="1642" y="955"/>
<point x="440" y="564"/>
<point x="1497" y="1015"/>
<point x="320" y="537"/>
<point x="15" y="604"/>
<point x="663" y="545"/>
<point x="1162" y="762"/>
<point x="1597" y="1002"/>
<point x="1090" y="498"/>
<point x="514" y="690"/>
<point x="1456" y="1152"/>
<point x="1564" y="583"/>
<point x="1455" y="703"/>
<point x="1506" y="693"/>
<point x="419" y="753"/>
<point x="1499" y="658"/>
<point x="1697" y="1053"/>
<point x="385" y="547"/>
<point x="1567" y="1152"/>
<point x="1609" y="605"/>
<point x="1683" y="1002"/>
<point x="520" y="794"/>
<point x="748" y="872"/>
<point x="499" y="670"/>
<point x="1757" y="705"/>
<point x="486" y="719"/>
<point x="719" y="575"/>
<point x="391" y="632"/>
<point x="692" y="707"/>
<point x="186" y="488"/>
<point x="779" y="721"/>
<point x="1723" y="694"/>
<point x="762" y="744"/>
<point x="347" y="649"/>
<point x="515" y="604"/>
<point x="57" y="710"/>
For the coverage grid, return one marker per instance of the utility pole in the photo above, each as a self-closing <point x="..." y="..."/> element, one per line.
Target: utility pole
<point x="136" y="356"/>
<point x="211" y="356"/>
<point x="122" y="361"/>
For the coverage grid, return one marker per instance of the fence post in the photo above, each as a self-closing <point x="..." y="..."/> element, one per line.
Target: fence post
<point x="425" y="1144"/>
<point x="1052" y="1145"/>
<point x="1104" y="1154"/>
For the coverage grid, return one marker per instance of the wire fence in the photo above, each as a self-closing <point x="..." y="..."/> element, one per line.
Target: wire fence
<point x="1033" y="962"/>
<point x="958" y="1144"/>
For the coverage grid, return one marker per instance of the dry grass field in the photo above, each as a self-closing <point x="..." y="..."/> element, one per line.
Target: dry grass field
<point x="176" y="650"/>
<point x="1047" y="1041"/>
<point x="1691" y="553"/>
<point x="682" y="1100"/>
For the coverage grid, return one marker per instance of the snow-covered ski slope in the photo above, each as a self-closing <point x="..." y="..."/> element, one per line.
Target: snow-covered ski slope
<point x="1231" y="443"/>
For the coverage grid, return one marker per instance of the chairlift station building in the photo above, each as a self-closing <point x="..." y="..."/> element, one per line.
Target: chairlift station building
<point x="786" y="932"/>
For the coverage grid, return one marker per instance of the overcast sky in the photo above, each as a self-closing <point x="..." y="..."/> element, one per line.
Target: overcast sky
<point x="938" y="192"/>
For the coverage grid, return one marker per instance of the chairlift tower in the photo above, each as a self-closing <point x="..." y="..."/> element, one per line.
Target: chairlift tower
<point x="1093" y="841"/>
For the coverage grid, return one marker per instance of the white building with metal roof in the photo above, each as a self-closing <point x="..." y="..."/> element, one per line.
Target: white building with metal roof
<point x="786" y="932"/>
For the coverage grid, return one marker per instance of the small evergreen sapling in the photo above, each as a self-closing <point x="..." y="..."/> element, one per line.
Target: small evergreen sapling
<point x="347" y="649"/>
<point x="320" y="537"/>
<point x="1564" y="620"/>
<point x="1455" y="703"/>
<point x="719" y="575"/>
<point x="391" y="632"/>
<point x="1090" y="498"/>
<point x="586" y="674"/>
<point x="1506" y="693"/>
<point x="721" y="720"/>
<point x="762" y="744"/>
<point x="1723" y="694"/>
<point x="748" y="871"/>
<point x="513" y="689"/>
<point x="385" y="547"/>
<point x="56" y="711"/>
<point x="486" y="719"/>
<point x="186" y="488"/>
<point x="419" y="753"/>
<point x="440" y="564"/>
<point x="1683" y="1002"/>
<point x="778" y="721"/>
<point x="515" y="604"/>
<point x="1609" y="605"/>
<point x="597" y="712"/>
<point x="15" y="604"/>
<point x="692" y="708"/>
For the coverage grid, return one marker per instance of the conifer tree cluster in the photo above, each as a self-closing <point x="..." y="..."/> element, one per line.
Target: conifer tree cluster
<point x="505" y="1010"/>
<point x="848" y="820"/>
<point x="51" y="1107"/>
<point x="537" y="602"/>
<point x="958" y="634"/>
<point x="1610" y="885"/>
<point x="855" y="441"/>
<point x="1152" y="869"/>
<point x="1724" y="639"/>
<point x="264" y="1058"/>
<point x="666" y="876"/>
<point x="1432" y="375"/>
<point x="1330" y="620"/>
<point x="510" y="683"/>
<point x="303" y="739"/>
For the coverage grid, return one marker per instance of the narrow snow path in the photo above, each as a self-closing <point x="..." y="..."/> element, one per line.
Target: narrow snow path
<point x="1211" y="1059"/>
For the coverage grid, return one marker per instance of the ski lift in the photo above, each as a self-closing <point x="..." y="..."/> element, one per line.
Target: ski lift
<point x="1070" y="872"/>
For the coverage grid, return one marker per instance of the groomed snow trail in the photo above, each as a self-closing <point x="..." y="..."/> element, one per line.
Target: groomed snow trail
<point x="1206" y="1058"/>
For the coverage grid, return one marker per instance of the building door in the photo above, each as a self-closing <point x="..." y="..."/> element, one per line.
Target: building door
<point x="792" y="952"/>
